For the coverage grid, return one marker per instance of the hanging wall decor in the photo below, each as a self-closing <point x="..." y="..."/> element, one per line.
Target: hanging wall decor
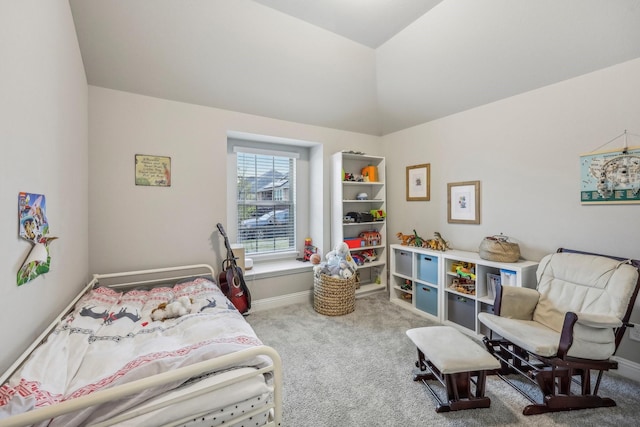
<point x="419" y="182"/>
<point x="34" y="227"/>
<point x="463" y="202"/>
<point x="611" y="177"/>
<point x="153" y="170"/>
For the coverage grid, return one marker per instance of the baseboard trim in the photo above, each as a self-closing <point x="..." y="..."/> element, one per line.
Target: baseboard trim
<point x="282" y="301"/>
<point x="295" y="298"/>
<point x="627" y="369"/>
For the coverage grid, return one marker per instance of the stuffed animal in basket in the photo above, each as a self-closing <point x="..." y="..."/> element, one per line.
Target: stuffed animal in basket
<point x="339" y="263"/>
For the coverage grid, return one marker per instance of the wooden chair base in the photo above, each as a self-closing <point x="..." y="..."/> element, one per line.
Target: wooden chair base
<point x="554" y="377"/>
<point x="567" y="403"/>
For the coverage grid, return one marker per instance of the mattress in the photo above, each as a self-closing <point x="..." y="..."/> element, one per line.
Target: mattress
<point x="221" y="405"/>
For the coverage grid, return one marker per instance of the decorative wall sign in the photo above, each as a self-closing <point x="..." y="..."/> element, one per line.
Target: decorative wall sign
<point x="463" y="202"/>
<point x="34" y="227"/>
<point x="610" y="177"/>
<point x="153" y="170"/>
<point x="419" y="182"/>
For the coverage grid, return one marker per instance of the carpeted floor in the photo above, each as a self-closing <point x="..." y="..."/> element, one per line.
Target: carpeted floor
<point x="356" y="370"/>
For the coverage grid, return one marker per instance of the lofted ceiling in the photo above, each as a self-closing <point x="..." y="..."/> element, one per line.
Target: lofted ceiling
<point x="369" y="22"/>
<point x="369" y="66"/>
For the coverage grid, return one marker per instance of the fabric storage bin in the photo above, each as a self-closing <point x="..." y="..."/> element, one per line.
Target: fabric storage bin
<point x="403" y="262"/>
<point x="507" y="277"/>
<point x="427" y="299"/>
<point x="428" y="268"/>
<point x="461" y="310"/>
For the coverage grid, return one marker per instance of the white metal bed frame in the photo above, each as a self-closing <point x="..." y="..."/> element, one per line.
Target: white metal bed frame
<point x="274" y="406"/>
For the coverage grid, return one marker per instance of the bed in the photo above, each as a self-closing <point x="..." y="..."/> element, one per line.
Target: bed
<point x="105" y="360"/>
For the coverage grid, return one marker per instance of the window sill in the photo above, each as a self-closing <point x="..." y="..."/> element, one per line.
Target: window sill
<point x="266" y="269"/>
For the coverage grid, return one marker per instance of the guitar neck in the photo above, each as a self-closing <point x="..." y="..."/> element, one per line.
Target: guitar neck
<point x="230" y="255"/>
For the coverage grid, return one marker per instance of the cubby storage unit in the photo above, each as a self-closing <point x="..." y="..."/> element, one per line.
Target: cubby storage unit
<point x="414" y="280"/>
<point x="431" y="284"/>
<point x="365" y="228"/>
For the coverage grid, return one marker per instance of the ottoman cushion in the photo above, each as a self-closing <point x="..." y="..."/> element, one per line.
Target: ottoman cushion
<point x="451" y="351"/>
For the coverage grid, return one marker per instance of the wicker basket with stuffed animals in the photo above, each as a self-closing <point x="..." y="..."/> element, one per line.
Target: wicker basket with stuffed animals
<point x="333" y="296"/>
<point x="335" y="282"/>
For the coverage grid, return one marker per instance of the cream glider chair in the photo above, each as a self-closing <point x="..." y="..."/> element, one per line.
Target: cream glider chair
<point x="570" y="325"/>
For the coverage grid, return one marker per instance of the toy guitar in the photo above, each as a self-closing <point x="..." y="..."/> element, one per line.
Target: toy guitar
<point x="231" y="281"/>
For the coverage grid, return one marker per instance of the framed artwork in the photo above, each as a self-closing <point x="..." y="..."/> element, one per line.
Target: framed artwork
<point x="418" y="182"/>
<point x="153" y="170"/>
<point x="463" y="202"/>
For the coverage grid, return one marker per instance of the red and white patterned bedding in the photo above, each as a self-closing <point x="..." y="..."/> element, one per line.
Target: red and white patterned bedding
<point x="110" y="339"/>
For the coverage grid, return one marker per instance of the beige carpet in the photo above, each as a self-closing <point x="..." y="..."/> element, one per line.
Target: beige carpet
<point x="356" y="370"/>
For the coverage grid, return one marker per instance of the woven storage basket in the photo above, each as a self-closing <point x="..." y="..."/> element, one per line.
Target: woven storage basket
<point x="498" y="248"/>
<point x="333" y="296"/>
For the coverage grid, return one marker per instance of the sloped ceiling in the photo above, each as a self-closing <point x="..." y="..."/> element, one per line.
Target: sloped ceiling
<point x="366" y="66"/>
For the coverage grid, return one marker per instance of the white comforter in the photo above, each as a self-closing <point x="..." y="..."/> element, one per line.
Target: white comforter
<point x="110" y="339"/>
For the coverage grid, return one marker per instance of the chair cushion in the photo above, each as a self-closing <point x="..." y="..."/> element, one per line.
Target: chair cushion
<point x="527" y="334"/>
<point x="582" y="284"/>
<point x="588" y="342"/>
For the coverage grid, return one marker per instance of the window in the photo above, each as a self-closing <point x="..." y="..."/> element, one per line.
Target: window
<point x="269" y="183"/>
<point x="266" y="200"/>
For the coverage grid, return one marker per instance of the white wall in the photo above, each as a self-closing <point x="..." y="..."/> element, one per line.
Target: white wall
<point x="43" y="132"/>
<point x="140" y="227"/>
<point x="525" y="152"/>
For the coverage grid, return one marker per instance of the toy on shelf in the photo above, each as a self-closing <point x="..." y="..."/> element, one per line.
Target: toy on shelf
<point x="358" y="259"/>
<point x="378" y="214"/>
<point x="369" y="173"/>
<point x="406" y="239"/>
<point x="369" y="255"/>
<point x="353" y="178"/>
<point x="371" y="238"/>
<point x="465" y="272"/>
<point x="464" y="286"/>
<point x="437" y="243"/>
<point x="463" y="264"/>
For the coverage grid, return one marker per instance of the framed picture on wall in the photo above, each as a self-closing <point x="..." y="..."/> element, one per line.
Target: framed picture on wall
<point x="463" y="202"/>
<point x="418" y="182"/>
<point x="153" y="171"/>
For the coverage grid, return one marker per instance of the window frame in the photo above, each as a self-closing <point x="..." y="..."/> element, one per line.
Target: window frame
<point x="301" y="214"/>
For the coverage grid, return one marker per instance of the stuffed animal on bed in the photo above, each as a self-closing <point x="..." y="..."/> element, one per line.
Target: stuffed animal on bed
<point x="171" y="310"/>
